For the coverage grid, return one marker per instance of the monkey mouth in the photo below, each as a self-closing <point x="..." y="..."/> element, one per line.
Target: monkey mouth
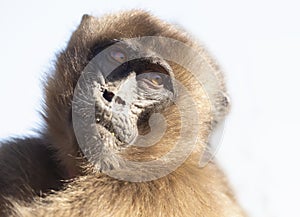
<point x="107" y="129"/>
<point x="116" y="124"/>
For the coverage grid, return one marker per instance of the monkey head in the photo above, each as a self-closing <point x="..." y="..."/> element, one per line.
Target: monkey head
<point x="111" y="81"/>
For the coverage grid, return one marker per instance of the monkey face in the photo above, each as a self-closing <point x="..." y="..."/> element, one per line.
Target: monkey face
<point x="127" y="83"/>
<point x="130" y="93"/>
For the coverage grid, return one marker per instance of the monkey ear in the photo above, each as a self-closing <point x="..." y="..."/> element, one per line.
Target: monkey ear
<point x="85" y="18"/>
<point x="222" y="105"/>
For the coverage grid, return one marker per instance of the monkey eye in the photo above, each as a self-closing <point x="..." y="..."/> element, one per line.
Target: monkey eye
<point x="118" y="56"/>
<point x="155" y="79"/>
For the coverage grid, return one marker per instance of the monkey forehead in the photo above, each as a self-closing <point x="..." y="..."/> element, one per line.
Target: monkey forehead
<point x="126" y="24"/>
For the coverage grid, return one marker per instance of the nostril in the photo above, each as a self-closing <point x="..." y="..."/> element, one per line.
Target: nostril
<point x="108" y="95"/>
<point x="119" y="100"/>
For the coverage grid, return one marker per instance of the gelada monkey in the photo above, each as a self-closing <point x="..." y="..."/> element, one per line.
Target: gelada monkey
<point x="85" y="162"/>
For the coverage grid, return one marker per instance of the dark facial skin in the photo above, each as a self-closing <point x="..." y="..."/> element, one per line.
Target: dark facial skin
<point x="125" y="90"/>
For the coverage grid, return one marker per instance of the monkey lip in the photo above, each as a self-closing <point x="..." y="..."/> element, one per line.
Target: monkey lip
<point x="109" y="130"/>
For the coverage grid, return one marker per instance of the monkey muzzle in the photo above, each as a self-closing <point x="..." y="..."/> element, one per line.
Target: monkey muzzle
<point x="132" y="93"/>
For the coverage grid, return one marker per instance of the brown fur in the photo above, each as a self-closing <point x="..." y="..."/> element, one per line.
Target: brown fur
<point x="188" y="191"/>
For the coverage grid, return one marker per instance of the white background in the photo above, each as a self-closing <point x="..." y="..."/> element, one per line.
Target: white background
<point x="256" y="42"/>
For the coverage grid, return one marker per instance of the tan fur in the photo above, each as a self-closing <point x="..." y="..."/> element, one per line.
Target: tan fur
<point x="188" y="191"/>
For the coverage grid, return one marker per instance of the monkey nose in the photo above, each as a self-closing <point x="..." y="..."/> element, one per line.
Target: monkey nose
<point x="108" y="95"/>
